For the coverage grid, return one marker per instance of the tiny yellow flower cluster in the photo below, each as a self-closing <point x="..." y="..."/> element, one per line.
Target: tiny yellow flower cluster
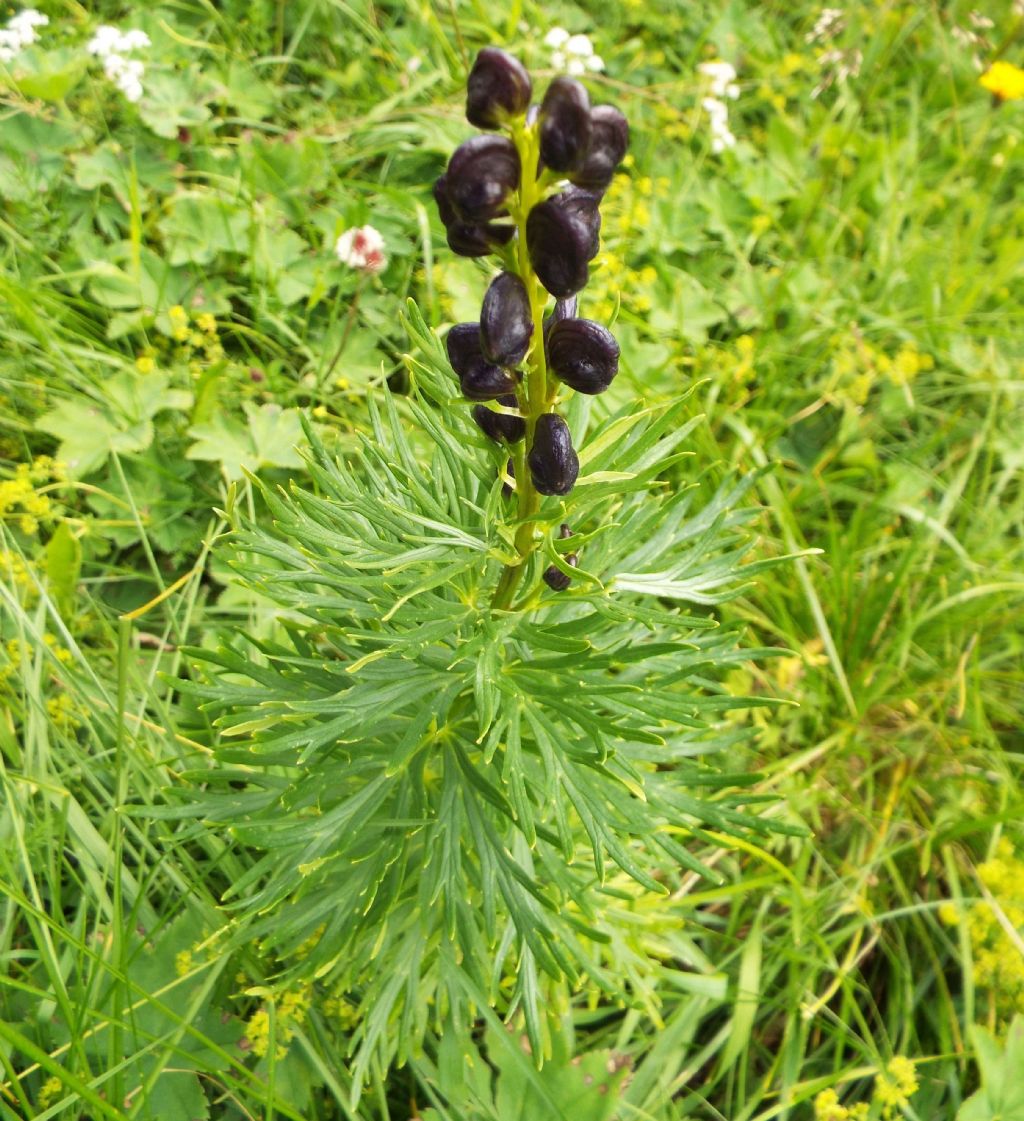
<point x="998" y="962"/>
<point x="894" y="1087"/>
<point x="627" y="204"/>
<point x="14" y="651"/>
<point x="13" y="568"/>
<point x="64" y="713"/>
<point x="19" y="498"/>
<point x="306" y="947"/>
<point x="200" y="345"/>
<point x="827" y="1107"/>
<point x="627" y="210"/>
<point x="289" y="1016"/>
<point x="892" y="1092"/>
<point x="179" y="323"/>
<point x="857" y="366"/>
<point x="1004" y="81"/>
<point x="50" y="1091"/>
<point x="341" y="1011"/>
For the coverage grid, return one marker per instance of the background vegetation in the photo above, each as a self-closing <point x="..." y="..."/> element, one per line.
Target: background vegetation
<point x="842" y="288"/>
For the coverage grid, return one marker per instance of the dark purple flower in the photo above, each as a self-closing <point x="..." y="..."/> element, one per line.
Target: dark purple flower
<point x="609" y="139"/>
<point x="562" y="237"/>
<point x="500" y="427"/>
<point x="564" y="125"/>
<point x="583" y="354"/>
<point x="498" y="88"/>
<point x="480" y="380"/>
<point x="482" y="173"/>
<point x="506" y="325"/>
<point x="554" y="464"/>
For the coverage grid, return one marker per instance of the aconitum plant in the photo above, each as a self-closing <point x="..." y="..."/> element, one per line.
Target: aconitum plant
<point x="477" y="748"/>
<point x="532" y="198"/>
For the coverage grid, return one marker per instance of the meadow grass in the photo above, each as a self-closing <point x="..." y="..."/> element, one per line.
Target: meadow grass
<point x="844" y="285"/>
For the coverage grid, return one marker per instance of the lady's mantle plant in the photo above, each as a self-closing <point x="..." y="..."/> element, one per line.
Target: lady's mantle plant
<point x="469" y="779"/>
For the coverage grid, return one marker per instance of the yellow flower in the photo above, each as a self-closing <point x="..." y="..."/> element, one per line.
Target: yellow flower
<point x="948" y="914"/>
<point x="894" y="1087"/>
<point x="145" y="364"/>
<point x="827" y="1107"/>
<point x="50" y="1091"/>
<point x="206" y="322"/>
<point x="179" y="322"/>
<point x="903" y="1072"/>
<point x="1004" y="81"/>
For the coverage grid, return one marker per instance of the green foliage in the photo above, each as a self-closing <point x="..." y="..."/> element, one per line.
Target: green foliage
<point x="844" y="284"/>
<point x="1001" y="1097"/>
<point x="564" y="752"/>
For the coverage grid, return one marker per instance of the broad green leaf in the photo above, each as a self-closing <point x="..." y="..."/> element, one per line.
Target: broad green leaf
<point x="1001" y="1097"/>
<point x="49" y="75"/>
<point x="268" y="440"/>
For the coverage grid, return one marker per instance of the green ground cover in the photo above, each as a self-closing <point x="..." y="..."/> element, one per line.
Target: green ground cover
<point x="839" y="293"/>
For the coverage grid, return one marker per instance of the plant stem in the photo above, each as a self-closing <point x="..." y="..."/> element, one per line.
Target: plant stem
<point x="533" y="392"/>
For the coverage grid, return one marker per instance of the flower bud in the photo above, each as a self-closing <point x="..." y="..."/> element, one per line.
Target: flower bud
<point x="560" y="241"/>
<point x="554" y="464"/>
<point x="498" y="88"/>
<point x="482" y="173"/>
<point x="479" y="379"/>
<point x="555" y="578"/>
<point x="609" y="139"/>
<point x="506" y="325"/>
<point x="565" y="125"/>
<point x="501" y="427"/>
<point x="583" y="354"/>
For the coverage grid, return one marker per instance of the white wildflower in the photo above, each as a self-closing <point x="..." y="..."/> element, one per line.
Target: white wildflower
<point x="572" y="53"/>
<point x="722" y="78"/>
<point x="579" y="45"/>
<point x="828" y="25"/>
<point x="413" y="64"/>
<point x="20" y="32"/>
<point x="362" y="249"/>
<point x="836" y="67"/>
<point x="110" y="45"/>
<point x="720" y="83"/>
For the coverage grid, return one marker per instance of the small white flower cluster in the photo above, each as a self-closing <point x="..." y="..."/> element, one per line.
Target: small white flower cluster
<point x="974" y="39"/>
<point x="827" y="26"/>
<point x="20" y="32"/>
<point x="721" y="84"/>
<point x="110" y="46"/>
<point x="361" y="249"/>
<point x="836" y="67"/>
<point x="572" y="53"/>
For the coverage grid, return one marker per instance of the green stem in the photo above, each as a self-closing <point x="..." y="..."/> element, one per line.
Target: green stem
<point x="533" y="392"/>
